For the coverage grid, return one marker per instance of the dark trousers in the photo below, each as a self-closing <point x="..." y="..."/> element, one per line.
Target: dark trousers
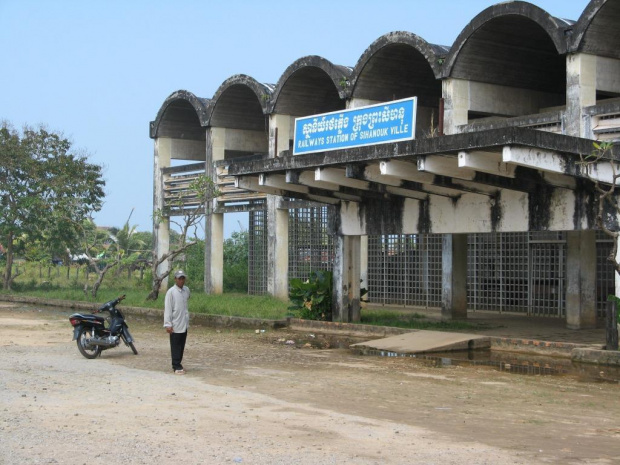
<point x="177" y="347"/>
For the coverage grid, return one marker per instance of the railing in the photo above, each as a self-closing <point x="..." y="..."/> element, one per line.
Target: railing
<point x="234" y="199"/>
<point x="549" y="121"/>
<point x="179" y="198"/>
<point x="604" y="120"/>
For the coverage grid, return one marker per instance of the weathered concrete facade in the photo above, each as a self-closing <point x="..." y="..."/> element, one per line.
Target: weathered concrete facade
<point x="495" y="151"/>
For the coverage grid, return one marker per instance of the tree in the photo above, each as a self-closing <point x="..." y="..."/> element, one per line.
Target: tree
<point x="204" y="190"/>
<point x="46" y="188"/>
<point x="105" y="250"/>
<point x="236" y="262"/>
<point x="608" y="211"/>
<point x="96" y="244"/>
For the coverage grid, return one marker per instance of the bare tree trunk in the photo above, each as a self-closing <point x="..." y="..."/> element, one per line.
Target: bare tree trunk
<point x="6" y="285"/>
<point x="100" y="275"/>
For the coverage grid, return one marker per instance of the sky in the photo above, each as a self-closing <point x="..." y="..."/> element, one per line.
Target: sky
<point x="99" y="71"/>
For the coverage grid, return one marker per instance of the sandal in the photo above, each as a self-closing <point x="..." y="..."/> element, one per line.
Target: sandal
<point x="179" y="372"/>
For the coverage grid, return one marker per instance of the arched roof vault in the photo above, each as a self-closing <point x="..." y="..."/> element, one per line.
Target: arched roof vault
<point x="515" y="44"/>
<point x="240" y="103"/>
<point x="309" y="86"/>
<point x="398" y="65"/>
<point x="181" y="116"/>
<point x="596" y="31"/>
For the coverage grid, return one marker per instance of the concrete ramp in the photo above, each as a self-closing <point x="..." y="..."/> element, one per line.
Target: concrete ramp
<point x="421" y="341"/>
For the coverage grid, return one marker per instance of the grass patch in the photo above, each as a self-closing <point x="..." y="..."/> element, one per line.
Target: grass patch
<point x="226" y="304"/>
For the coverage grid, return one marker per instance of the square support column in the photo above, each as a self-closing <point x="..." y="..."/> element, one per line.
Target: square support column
<point x="454" y="277"/>
<point x="161" y="229"/>
<point x="580" y="91"/>
<point x="280" y="134"/>
<point x="214" y="250"/>
<point x="277" y="248"/>
<point x="456" y="104"/>
<point x="346" y="292"/>
<point x="214" y="228"/>
<point x="581" y="280"/>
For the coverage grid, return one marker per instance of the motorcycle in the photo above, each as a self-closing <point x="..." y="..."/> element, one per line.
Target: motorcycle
<point x="91" y="333"/>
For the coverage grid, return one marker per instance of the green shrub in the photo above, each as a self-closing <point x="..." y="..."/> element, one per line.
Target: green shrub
<point x="312" y="299"/>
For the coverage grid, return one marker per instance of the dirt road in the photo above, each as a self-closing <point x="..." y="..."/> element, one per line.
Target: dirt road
<point x="254" y="399"/>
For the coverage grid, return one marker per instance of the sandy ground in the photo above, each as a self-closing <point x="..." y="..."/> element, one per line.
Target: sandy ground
<point x="254" y="399"/>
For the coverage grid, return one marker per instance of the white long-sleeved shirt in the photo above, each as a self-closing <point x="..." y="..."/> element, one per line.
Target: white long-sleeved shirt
<point x="176" y="310"/>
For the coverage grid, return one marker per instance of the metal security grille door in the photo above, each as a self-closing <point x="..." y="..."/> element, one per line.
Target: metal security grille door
<point x="405" y="269"/>
<point x="310" y="248"/>
<point x="498" y="272"/>
<point x="547" y="274"/>
<point x="257" y="259"/>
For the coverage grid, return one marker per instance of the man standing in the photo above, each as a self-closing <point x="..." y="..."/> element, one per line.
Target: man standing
<point x="176" y="319"/>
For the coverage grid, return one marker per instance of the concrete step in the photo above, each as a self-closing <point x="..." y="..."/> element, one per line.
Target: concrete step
<point x="419" y="342"/>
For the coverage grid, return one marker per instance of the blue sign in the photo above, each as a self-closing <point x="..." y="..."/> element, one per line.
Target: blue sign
<point x="375" y="124"/>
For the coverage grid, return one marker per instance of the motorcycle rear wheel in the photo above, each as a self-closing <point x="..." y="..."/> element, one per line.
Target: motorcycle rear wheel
<point x="83" y="335"/>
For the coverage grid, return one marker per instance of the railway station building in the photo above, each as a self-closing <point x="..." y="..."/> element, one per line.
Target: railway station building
<point x="446" y="177"/>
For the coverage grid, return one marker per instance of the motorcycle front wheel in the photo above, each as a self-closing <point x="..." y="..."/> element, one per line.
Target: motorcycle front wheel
<point x="85" y="350"/>
<point x="126" y="335"/>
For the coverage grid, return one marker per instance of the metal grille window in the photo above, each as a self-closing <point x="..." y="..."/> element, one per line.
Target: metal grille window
<point x="310" y="248"/>
<point x="257" y="259"/>
<point x="605" y="273"/>
<point x="405" y="269"/>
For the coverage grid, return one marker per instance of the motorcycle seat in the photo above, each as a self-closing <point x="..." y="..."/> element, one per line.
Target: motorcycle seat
<point x="88" y="317"/>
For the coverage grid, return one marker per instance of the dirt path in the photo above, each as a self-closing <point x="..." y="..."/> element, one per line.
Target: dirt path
<point x="251" y="398"/>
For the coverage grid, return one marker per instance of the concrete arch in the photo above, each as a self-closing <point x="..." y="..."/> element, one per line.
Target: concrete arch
<point x="181" y="116"/>
<point x="311" y="85"/>
<point x="515" y="36"/>
<point x="596" y="32"/>
<point x="398" y="65"/>
<point x="240" y="102"/>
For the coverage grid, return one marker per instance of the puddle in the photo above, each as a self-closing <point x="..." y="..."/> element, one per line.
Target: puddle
<point x="512" y="363"/>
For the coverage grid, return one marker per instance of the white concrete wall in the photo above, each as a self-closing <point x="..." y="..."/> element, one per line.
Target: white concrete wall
<point x="246" y="141"/>
<point x="470" y="214"/>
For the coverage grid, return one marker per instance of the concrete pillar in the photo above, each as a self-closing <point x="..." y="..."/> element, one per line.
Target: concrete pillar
<point x="280" y="133"/>
<point x="346" y="292"/>
<point x="214" y="227"/>
<point x="161" y="229"/>
<point x="364" y="262"/>
<point x="280" y="127"/>
<point x="581" y="280"/>
<point x="277" y="248"/>
<point x="456" y="104"/>
<point x="454" y="276"/>
<point x="580" y="91"/>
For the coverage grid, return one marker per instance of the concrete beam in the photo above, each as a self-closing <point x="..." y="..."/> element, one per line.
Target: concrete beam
<point x="279" y="181"/>
<point x="444" y="165"/>
<point x="405" y="170"/>
<point x="486" y="162"/>
<point x="554" y="162"/>
<point x="338" y="176"/>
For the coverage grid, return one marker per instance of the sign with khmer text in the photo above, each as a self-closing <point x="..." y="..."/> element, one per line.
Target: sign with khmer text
<point x="375" y="124"/>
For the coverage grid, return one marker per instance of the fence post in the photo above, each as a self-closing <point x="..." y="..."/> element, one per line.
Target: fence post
<point x="612" y="326"/>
